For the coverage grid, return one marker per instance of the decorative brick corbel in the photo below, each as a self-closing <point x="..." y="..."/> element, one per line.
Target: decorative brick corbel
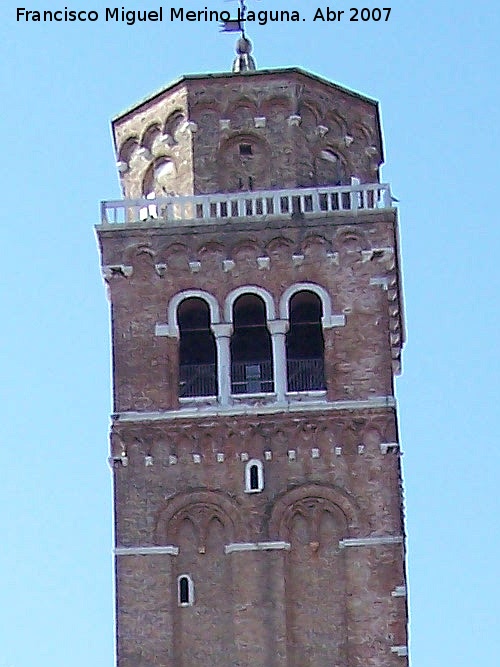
<point x="333" y="257"/>
<point x="112" y="270"/>
<point x="263" y="263"/>
<point x="161" y="269"/>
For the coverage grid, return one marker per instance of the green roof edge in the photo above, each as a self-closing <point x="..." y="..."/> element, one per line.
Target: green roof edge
<point x="229" y="75"/>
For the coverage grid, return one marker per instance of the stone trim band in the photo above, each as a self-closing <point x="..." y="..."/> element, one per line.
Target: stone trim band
<point x="370" y="541"/>
<point x="146" y="551"/>
<point x="255" y="546"/>
<point x="172" y="550"/>
<point x="258" y="546"/>
<point x="272" y="408"/>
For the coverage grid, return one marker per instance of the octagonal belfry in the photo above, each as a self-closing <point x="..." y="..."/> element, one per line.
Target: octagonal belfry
<point x="253" y="273"/>
<point x="258" y="131"/>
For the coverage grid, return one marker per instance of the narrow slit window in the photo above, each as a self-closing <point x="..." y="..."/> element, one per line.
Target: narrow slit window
<point x="254" y="476"/>
<point x="185" y="590"/>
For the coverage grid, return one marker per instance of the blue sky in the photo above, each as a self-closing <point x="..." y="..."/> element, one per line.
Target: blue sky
<point x="434" y="67"/>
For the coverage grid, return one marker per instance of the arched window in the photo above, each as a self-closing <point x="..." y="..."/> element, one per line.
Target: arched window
<point x="197" y="352"/>
<point x="254" y="476"/>
<point x="185" y="590"/>
<point x="251" y="351"/>
<point x="304" y="343"/>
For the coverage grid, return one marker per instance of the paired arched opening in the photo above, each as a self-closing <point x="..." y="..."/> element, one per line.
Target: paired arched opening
<point x="251" y="349"/>
<point x="197" y="350"/>
<point x="305" y="347"/>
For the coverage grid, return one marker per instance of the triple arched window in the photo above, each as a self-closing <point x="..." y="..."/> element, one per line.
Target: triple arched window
<point x="253" y="351"/>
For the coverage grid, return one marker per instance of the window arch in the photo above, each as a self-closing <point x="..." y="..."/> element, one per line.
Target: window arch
<point x="245" y="289"/>
<point x="254" y="476"/>
<point x="251" y="349"/>
<point x="328" y="319"/>
<point x="305" y="345"/>
<point x="197" y="349"/>
<point x="185" y="591"/>
<point x="173" y="326"/>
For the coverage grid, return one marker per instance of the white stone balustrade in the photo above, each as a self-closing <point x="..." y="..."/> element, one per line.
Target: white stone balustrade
<point x="257" y="204"/>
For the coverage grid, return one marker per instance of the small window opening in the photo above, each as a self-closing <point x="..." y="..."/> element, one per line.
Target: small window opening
<point x="197" y="350"/>
<point x="305" y="344"/>
<point x="254" y="476"/>
<point x="250" y="183"/>
<point x="251" y="351"/>
<point x="246" y="149"/>
<point x="185" y="590"/>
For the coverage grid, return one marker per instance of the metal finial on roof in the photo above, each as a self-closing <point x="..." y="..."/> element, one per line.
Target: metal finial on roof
<point x="243" y="62"/>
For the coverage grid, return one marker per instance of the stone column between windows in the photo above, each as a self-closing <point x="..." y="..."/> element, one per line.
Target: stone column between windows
<point x="278" y="330"/>
<point x="222" y="333"/>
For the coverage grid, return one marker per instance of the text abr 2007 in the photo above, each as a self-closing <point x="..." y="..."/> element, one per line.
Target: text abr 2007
<point x="363" y="14"/>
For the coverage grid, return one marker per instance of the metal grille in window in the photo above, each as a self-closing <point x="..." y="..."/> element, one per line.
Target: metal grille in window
<point x="252" y="378"/>
<point x="197" y="380"/>
<point x="305" y="374"/>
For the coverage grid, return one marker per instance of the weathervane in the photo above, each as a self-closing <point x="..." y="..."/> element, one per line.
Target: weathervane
<point x="243" y="62"/>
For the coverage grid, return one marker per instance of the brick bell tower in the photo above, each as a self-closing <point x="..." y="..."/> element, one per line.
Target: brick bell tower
<point x="252" y="269"/>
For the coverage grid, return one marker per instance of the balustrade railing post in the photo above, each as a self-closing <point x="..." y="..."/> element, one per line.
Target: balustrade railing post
<point x="387" y="197"/>
<point x="315" y="201"/>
